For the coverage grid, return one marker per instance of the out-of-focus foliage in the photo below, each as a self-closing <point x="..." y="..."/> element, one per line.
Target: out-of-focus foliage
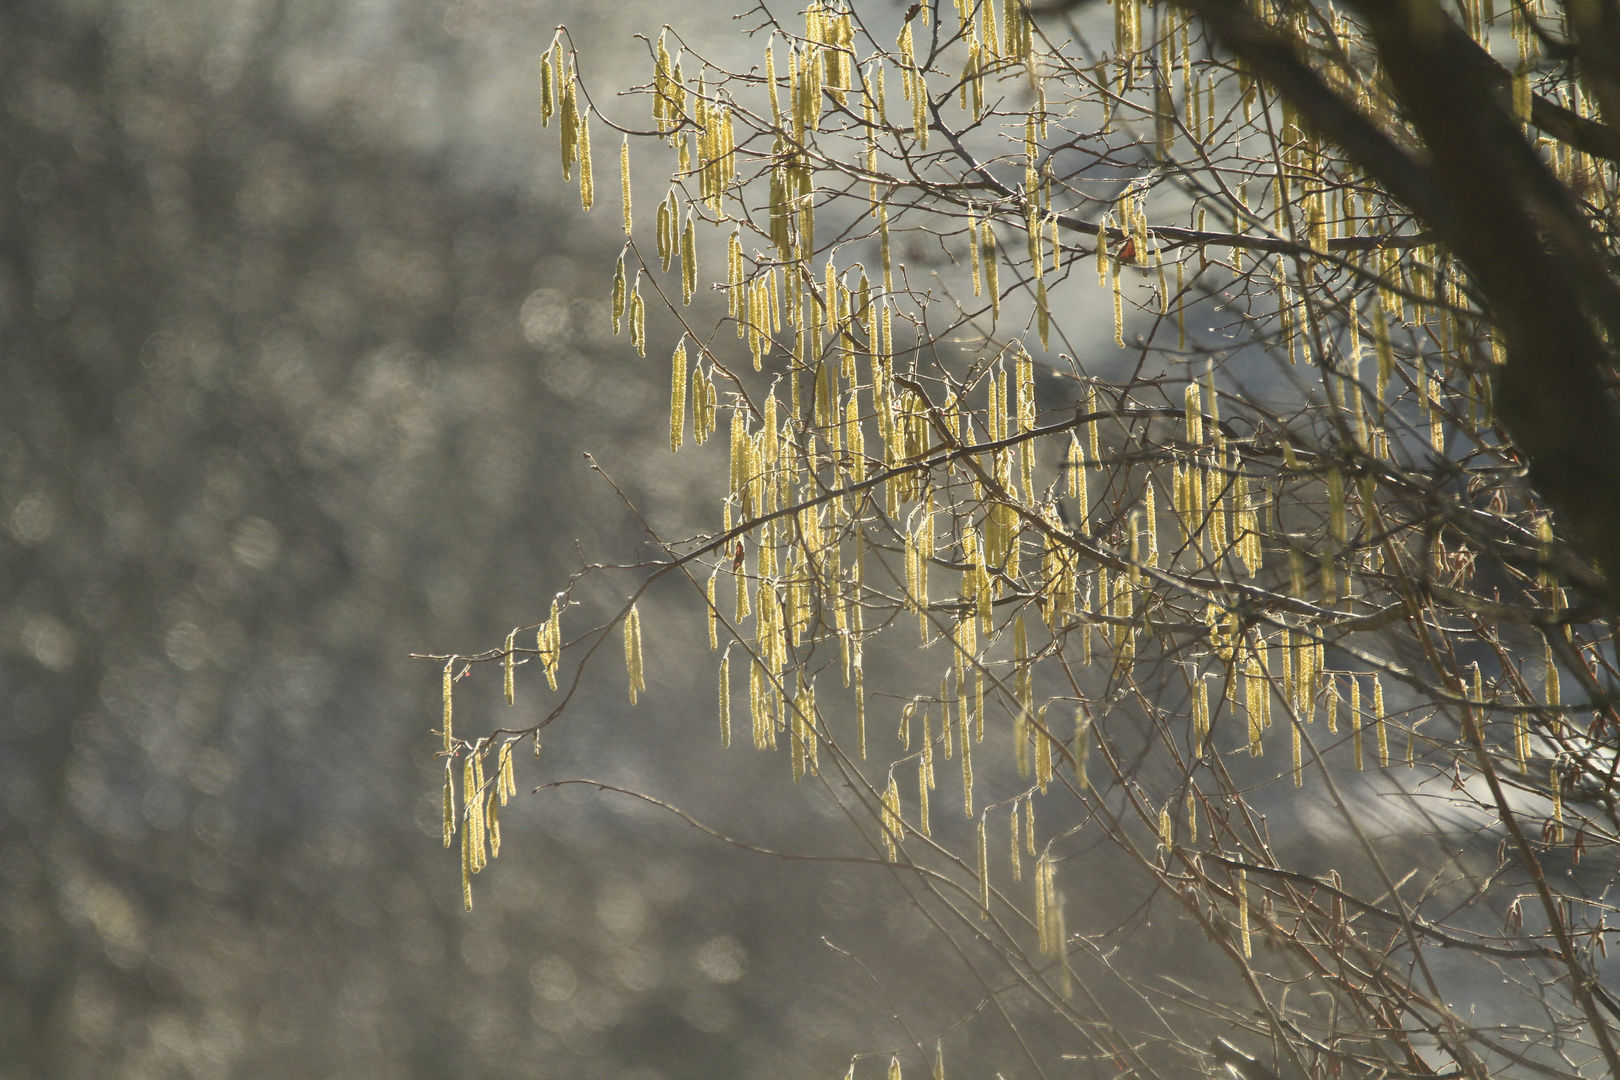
<point x="295" y="369"/>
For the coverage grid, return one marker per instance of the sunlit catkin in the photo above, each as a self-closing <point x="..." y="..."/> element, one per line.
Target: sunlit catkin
<point x="677" y="395"/>
<point x="984" y="871"/>
<point x="725" y="699"/>
<point x="492" y="825"/>
<point x="967" y="756"/>
<point x="1243" y="912"/>
<point x="508" y="663"/>
<point x="448" y="726"/>
<point x="587" y="182"/>
<point x="1355" y="720"/>
<point x="991" y="259"/>
<point x="506" y="782"/>
<point x="638" y="318"/>
<point x="688" y="261"/>
<point x="616" y="300"/>
<point x="891" y="819"/>
<point x="624" y="180"/>
<point x="1379" y="724"/>
<point x="1013" y="853"/>
<point x="1043" y="750"/>
<point x="450" y="805"/>
<point x="632" y="652"/>
<point x="924" y="812"/>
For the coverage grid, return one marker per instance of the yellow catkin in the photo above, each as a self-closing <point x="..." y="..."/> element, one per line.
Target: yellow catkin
<point x="967" y="757"/>
<point x="1119" y="304"/>
<point x="1200" y="715"/>
<point x="568" y="128"/>
<point x="478" y="804"/>
<point x="975" y="252"/>
<point x="1080" y="746"/>
<point x="616" y="302"/>
<point x="624" y="180"/>
<point x="450" y="804"/>
<point x="587" y="183"/>
<point x="725" y="699"/>
<point x="1554" y="695"/>
<point x="1192" y="818"/>
<point x="1243" y="912"/>
<point x="1355" y="720"/>
<point x="1167" y="827"/>
<point x="1556" y="787"/>
<point x="688" y="261"/>
<point x="1094" y="428"/>
<point x="894" y="1068"/>
<point x="638" y="318"/>
<point x="448" y="726"/>
<point x="1379" y="722"/>
<point x="492" y="825"/>
<point x="891" y="820"/>
<point x="549" y="643"/>
<point x="466" y="868"/>
<point x="632" y="652"/>
<point x="508" y="667"/>
<point x="1043" y="872"/>
<point x="984" y="871"/>
<point x="991" y="260"/>
<point x="1299" y="774"/>
<point x="1012" y="821"/>
<point x="677" y="395"/>
<point x="924" y="782"/>
<point x="1043" y="752"/>
<point x="860" y="707"/>
<point x="507" y="782"/>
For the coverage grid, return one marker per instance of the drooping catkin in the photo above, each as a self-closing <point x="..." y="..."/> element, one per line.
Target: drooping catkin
<point x="991" y="259"/>
<point x="549" y="643"/>
<point x="967" y="755"/>
<point x="1012" y="822"/>
<point x="984" y="871"/>
<point x="924" y="825"/>
<point x="467" y="864"/>
<point x="492" y="825"/>
<point x="616" y="302"/>
<point x="1243" y="912"/>
<point x="624" y="180"/>
<point x="677" y="395"/>
<point x="508" y="779"/>
<point x="587" y="182"/>
<point x="448" y="727"/>
<point x="632" y="652"/>
<point x="725" y="698"/>
<point x="860" y="706"/>
<point x="1379" y="722"/>
<point x="1043" y="750"/>
<point x="1299" y="774"/>
<point x="450" y="803"/>
<point x="1081" y="746"/>
<point x="1043" y="876"/>
<point x="1355" y="720"/>
<point x="891" y="819"/>
<point x="688" y="260"/>
<point x="638" y="318"/>
<point x="507" y="667"/>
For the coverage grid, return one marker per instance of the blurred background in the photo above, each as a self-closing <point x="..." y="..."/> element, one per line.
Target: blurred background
<point x="301" y="341"/>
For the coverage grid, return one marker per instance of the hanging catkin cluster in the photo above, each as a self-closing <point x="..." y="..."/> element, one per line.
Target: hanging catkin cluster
<point x="1138" y="551"/>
